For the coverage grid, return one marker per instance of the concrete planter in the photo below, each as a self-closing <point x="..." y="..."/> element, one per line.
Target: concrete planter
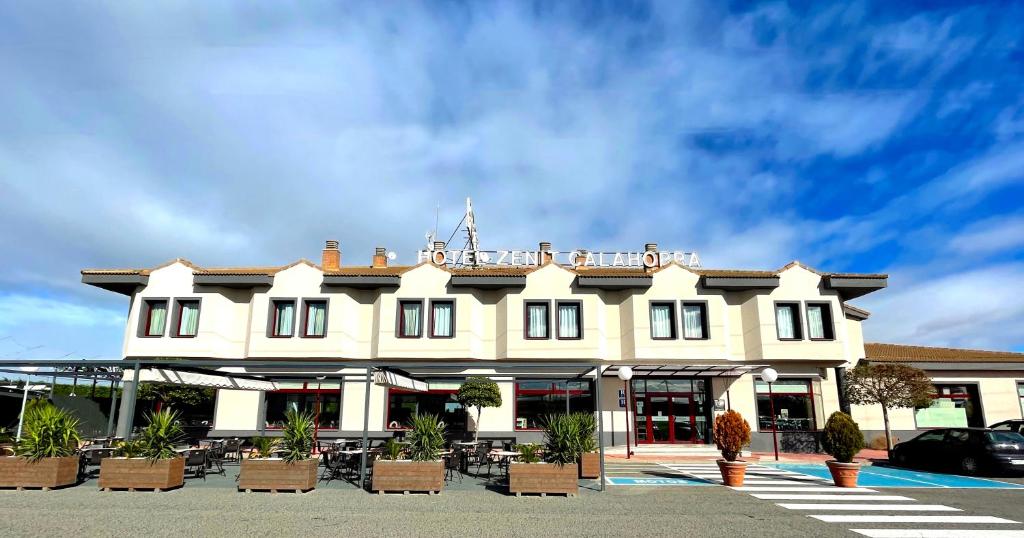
<point x="141" y="473"/>
<point x="406" y="476"/>
<point x="844" y="475"/>
<point x="543" y="478"/>
<point x="277" y="475"/>
<point x="590" y="465"/>
<point x="732" y="472"/>
<point x="45" y="473"/>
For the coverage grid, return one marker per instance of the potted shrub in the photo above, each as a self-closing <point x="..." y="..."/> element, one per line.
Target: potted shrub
<point x="731" y="434"/>
<point x="45" y="456"/>
<point x="590" y="460"/>
<point x="842" y="439"/>
<point x="559" y="473"/>
<point x="149" y="462"/>
<point x="294" y="471"/>
<point x="422" y="470"/>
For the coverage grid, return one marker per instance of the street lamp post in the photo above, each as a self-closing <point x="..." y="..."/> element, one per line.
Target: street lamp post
<point x="625" y="374"/>
<point x="769" y="375"/>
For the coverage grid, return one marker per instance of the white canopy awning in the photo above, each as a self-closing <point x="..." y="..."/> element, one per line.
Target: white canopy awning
<point x="160" y="375"/>
<point x="391" y="379"/>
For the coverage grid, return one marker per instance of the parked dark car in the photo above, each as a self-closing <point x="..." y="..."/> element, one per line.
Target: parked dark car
<point x="1009" y="426"/>
<point x="964" y="450"/>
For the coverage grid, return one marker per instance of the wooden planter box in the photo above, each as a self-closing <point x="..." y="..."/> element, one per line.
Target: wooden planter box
<point x="590" y="465"/>
<point x="277" y="475"/>
<point x="543" y="478"/>
<point x="45" y="473"/>
<point x="406" y="476"/>
<point x="141" y="473"/>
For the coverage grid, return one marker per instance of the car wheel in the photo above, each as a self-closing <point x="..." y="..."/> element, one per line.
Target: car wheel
<point x="901" y="459"/>
<point x="969" y="465"/>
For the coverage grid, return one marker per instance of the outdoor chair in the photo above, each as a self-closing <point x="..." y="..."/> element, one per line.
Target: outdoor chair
<point x="452" y="465"/>
<point x="93" y="458"/>
<point x="195" y="462"/>
<point x="215" y="459"/>
<point x="482" y="456"/>
<point x="233" y="449"/>
<point x="333" y="465"/>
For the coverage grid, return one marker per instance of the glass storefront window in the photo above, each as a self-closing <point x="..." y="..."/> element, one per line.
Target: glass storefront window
<point x="793" y="401"/>
<point x="403" y="404"/>
<point x="538" y="399"/>
<point x="279" y="403"/>
<point x="953" y="406"/>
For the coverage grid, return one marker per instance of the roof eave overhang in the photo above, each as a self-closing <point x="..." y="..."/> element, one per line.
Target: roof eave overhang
<point x="233" y="281"/>
<point x="855" y="313"/>
<point x="362" y="282"/>
<point x="123" y="284"/>
<point x="851" y="288"/>
<point x="961" y="366"/>
<point x="731" y="283"/>
<point x="488" y="282"/>
<point x="614" y="283"/>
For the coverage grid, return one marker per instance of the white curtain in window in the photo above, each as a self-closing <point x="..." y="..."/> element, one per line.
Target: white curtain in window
<point x="815" y="325"/>
<point x="442" y="319"/>
<point x="568" y="321"/>
<point x="316" y="315"/>
<point x="157" y="317"/>
<point x="189" y="318"/>
<point x="661" y="321"/>
<point x="285" y="318"/>
<point x="410" y="319"/>
<point x="693" y="321"/>
<point x="784" y="320"/>
<point x="538" y="321"/>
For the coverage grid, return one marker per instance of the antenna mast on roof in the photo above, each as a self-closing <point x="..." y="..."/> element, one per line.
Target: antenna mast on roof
<point x="472" y="256"/>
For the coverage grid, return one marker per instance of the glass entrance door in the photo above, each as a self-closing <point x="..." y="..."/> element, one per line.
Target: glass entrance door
<point x="659" y="419"/>
<point x="666" y="418"/>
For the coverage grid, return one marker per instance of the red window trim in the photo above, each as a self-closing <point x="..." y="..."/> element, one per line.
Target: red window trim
<point x="579" y="320"/>
<point x="539" y="392"/>
<point x="395" y="390"/>
<point x="809" y="394"/>
<point x="304" y="391"/>
<point x="305" y="318"/>
<point x="149" y="317"/>
<point x="401" y="319"/>
<point x="452" y="328"/>
<point x="181" y="310"/>
<point x="273" y="326"/>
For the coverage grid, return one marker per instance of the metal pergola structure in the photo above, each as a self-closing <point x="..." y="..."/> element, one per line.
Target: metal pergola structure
<point x="284" y="369"/>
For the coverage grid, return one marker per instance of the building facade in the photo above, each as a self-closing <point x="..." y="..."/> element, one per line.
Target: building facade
<point x="695" y="338"/>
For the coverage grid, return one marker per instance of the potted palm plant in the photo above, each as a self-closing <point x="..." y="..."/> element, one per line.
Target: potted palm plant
<point x="731" y="434"/>
<point x="842" y="439"/>
<point x="294" y="471"/>
<point x="149" y="462"/>
<point x="590" y="460"/>
<point x="559" y="473"/>
<point x="45" y="456"/>
<point x="423" y="469"/>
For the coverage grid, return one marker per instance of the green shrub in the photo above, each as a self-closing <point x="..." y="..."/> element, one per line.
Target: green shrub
<point x="588" y="427"/>
<point x="130" y="449"/>
<point x="392" y="450"/>
<point x="159" y="438"/>
<point x="47" y="432"/>
<point x="426" y="437"/>
<point x="731" y="434"/>
<point x="479" y="392"/>
<point x="297" y="441"/>
<point x="842" y="438"/>
<point x="529" y="453"/>
<point x="262" y="447"/>
<point x="561" y="439"/>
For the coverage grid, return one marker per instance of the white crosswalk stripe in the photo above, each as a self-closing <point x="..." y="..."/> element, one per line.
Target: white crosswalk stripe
<point x="857" y="518"/>
<point x="807" y="488"/>
<point x="828" y="497"/>
<point x="822" y="507"/>
<point x="938" y="533"/>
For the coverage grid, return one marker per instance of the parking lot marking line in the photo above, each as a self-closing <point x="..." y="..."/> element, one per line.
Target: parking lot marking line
<point x="805" y="488"/>
<point x="873" y="518"/>
<point x="824" y="507"/>
<point x="828" y="497"/>
<point x="938" y="533"/>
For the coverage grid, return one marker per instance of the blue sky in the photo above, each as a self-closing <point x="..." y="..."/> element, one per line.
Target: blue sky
<point x="851" y="136"/>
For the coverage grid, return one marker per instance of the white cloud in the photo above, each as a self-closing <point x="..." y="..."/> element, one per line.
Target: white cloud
<point x="19" y="309"/>
<point x="996" y="235"/>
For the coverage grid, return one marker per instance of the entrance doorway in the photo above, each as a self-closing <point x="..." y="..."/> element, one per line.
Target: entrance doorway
<point x="670" y="411"/>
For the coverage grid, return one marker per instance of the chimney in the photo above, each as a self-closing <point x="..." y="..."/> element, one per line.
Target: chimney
<point x="545" y="252"/>
<point x="331" y="256"/>
<point x="650" y="257"/>
<point x="581" y="259"/>
<point x="380" y="257"/>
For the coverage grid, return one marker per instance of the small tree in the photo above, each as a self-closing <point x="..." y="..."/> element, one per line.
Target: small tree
<point x="892" y="386"/>
<point x="842" y="437"/>
<point x="479" y="392"/>
<point x="731" y="434"/>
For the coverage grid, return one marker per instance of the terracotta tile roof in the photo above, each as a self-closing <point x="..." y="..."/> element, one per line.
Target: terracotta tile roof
<point x="617" y="272"/>
<point x="856" y="275"/>
<point x="237" y="271"/>
<point x="736" y="273"/>
<point x="905" y="353"/>
<point x="115" y="271"/>
<point x="366" y="270"/>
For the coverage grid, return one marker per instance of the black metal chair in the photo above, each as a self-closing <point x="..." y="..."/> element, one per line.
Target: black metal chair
<point x="233" y="449"/>
<point x="92" y="458"/>
<point x="452" y="465"/>
<point x="195" y="462"/>
<point x="215" y="459"/>
<point x="334" y="465"/>
<point x="482" y="456"/>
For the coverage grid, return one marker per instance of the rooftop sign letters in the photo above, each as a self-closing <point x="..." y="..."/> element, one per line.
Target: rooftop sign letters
<point x="575" y="258"/>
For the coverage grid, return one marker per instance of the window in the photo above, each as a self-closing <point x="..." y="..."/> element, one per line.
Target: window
<point x="536" y="320"/>
<point x="314" y="320"/>
<point x="282" y="319"/>
<point x="939" y="435"/>
<point x="663" y="321"/>
<point x="1020" y="396"/>
<point x="570" y="320"/>
<point x="403" y="404"/>
<point x="410" y="319"/>
<point x="793" y="402"/>
<point x="186" y="318"/>
<point x="324" y="404"/>
<point x="787" y="321"/>
<point x="953" y="406"/>
<point x="535" y="400"/>
<point x="695" y="321"/>
<point x="155" y="317"/>
<point x="442" y="319"/>
<point x="819" y="321"/>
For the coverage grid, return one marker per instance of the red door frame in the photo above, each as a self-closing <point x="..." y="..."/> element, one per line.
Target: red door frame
<point x="648" y="423"/>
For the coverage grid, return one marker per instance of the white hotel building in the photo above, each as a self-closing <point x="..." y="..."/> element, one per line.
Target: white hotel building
<point x="696" y="338"/>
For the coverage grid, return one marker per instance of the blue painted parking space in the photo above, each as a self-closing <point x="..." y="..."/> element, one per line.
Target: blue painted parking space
<point x="872" y="476"/>
<point x="631" y="481"/>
